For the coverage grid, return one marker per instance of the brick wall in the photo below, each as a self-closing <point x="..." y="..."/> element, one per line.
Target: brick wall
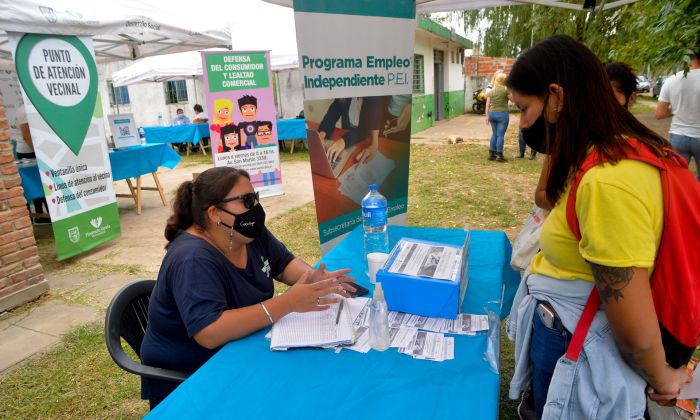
<point x="21" y="275"/>
<point x="486" y="66"/>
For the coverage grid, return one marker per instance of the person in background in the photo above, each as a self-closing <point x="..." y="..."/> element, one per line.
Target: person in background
<point x="497" y="116"/>
<point x="522" y="146"/>
<point x="215" y="284"/>
<point x="619" y="207"/>
<point x="623" y="82"/>
<point x="181" y="118"/>
<point x="680" y="98"/>
<point x="199" y="115"/>
<point x="25" y="150"/>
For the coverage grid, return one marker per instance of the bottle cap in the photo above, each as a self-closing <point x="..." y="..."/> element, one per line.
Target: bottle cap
<point x="373" y="187"/>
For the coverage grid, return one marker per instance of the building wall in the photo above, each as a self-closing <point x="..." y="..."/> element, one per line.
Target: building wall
<point x="479" y="71"/>
<point x="147" y="99"/>
<point x="487" y="66"/>
<point x="21" y="275"/>
<point x="453" y="79"/>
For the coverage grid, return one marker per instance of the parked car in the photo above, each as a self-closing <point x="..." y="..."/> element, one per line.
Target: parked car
<point x="656" y="90"/>
<point x="643" y="84"/>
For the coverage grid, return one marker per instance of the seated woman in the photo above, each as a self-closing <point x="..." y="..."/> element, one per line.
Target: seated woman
<point x="215" y="284"/>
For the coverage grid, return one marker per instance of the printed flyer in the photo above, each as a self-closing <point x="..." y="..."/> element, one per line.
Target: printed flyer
<point x="242" y="117"/>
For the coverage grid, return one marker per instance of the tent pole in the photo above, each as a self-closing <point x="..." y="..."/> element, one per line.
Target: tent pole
<point x="194" y="83"/>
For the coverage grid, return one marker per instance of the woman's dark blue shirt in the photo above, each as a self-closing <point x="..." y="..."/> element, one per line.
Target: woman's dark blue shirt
<point x="196" y="283"/>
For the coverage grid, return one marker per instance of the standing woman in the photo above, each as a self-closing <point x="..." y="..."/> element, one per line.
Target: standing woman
<point x="497" y="116"/>
<point x="619" y="207"/>
<point x="215" y="284"/>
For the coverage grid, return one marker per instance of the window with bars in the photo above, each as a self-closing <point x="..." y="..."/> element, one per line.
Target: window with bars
<point x="418" y="74"/>
<point x="175" y="91"/>
<point x="118" y="95"/>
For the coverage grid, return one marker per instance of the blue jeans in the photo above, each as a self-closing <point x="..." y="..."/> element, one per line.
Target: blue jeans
<point x="687" y="147"/>
<point x="546" y="347"/>
<point x="521" y="142"/>
<point x="499" y="124"/>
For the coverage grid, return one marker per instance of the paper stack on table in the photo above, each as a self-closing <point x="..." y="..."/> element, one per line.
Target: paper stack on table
<point x="430" y="346"/>
<point x="418" y="336"/>
<point x="329" y="328"/>
<point x="464" y="324"/>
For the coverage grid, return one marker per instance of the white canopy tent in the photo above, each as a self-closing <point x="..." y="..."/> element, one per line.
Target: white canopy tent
<point x="181" y="65"/>
<point x="121" y="29"/>
<point x="434" y="6"/>
<point x="245" y="36"/>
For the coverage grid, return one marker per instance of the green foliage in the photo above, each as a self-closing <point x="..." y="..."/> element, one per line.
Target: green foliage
<point x="652" y="36"/>
<point x="667" y="33"/>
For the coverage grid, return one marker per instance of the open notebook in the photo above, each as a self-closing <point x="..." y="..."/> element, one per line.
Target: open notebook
<point x="314" y="329"/>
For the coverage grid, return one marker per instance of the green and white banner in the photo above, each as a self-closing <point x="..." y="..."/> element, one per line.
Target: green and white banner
<point x="59" y="86"/>
<point x="356" y="62"/>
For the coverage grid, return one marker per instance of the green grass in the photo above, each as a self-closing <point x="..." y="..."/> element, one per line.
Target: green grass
<point x="75" y="380"/>
<point x="450" y="186"/>
<point x="644" y="104"/>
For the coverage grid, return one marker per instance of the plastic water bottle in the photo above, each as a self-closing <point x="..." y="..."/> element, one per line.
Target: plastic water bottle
<point x="379" y="338"/>
<point x="374" y="220"/>
<point x="160" y="119"/>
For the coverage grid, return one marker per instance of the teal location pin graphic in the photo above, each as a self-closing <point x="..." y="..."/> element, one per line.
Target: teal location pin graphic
<point x="59" y="76"/>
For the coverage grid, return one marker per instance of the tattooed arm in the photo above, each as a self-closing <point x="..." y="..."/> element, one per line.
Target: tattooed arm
<point x="628" y="304"/>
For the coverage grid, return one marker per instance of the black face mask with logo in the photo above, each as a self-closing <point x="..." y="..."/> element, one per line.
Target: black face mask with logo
<point x="536" y="135"/>
<point x="250" y="224"/>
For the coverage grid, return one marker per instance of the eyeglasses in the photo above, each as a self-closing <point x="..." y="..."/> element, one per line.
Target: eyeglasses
<point x="248" y="200"/>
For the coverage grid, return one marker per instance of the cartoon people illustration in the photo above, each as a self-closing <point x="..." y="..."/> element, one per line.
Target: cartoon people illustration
<point x="248" y="128"/>
<point x="229" y="139"/>
<point x="223" y="112"/>
<point x="264" y="134"/>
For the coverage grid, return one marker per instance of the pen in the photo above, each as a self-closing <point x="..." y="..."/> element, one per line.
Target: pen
<point x="340" y="309"/>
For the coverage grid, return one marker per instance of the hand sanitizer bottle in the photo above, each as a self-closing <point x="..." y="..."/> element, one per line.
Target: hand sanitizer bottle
<point x="379" y="320"/>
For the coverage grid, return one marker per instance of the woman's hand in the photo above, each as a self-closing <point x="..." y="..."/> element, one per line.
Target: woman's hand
<point x="307" y="297"/>
<point x="321" y="274"/>
<point x="335" y="149"/>
<point x="669" y="387"/>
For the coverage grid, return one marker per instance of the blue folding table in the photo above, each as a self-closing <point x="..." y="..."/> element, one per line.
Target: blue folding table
<point x="246" y="380"/>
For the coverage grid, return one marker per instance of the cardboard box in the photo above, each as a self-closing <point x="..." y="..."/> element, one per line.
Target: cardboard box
<point x="414" y="278"/>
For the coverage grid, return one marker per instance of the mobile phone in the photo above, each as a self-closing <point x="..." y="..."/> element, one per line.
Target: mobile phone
<point x="546" y="315"/>
<point x="359" y="290"/>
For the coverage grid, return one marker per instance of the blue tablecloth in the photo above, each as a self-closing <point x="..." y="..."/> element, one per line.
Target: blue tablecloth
<point x="31" y="182"/>
<point x="141" y="160"/>
<point x="126" y="163"/>
<point x="291" y="129"/>
<point x="246" y="380"/>
<point x="176" y="133"/>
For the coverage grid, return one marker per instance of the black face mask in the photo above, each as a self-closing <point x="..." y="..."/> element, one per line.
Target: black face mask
<point x="536" y="135"/>
<point x="250" y="224"/>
